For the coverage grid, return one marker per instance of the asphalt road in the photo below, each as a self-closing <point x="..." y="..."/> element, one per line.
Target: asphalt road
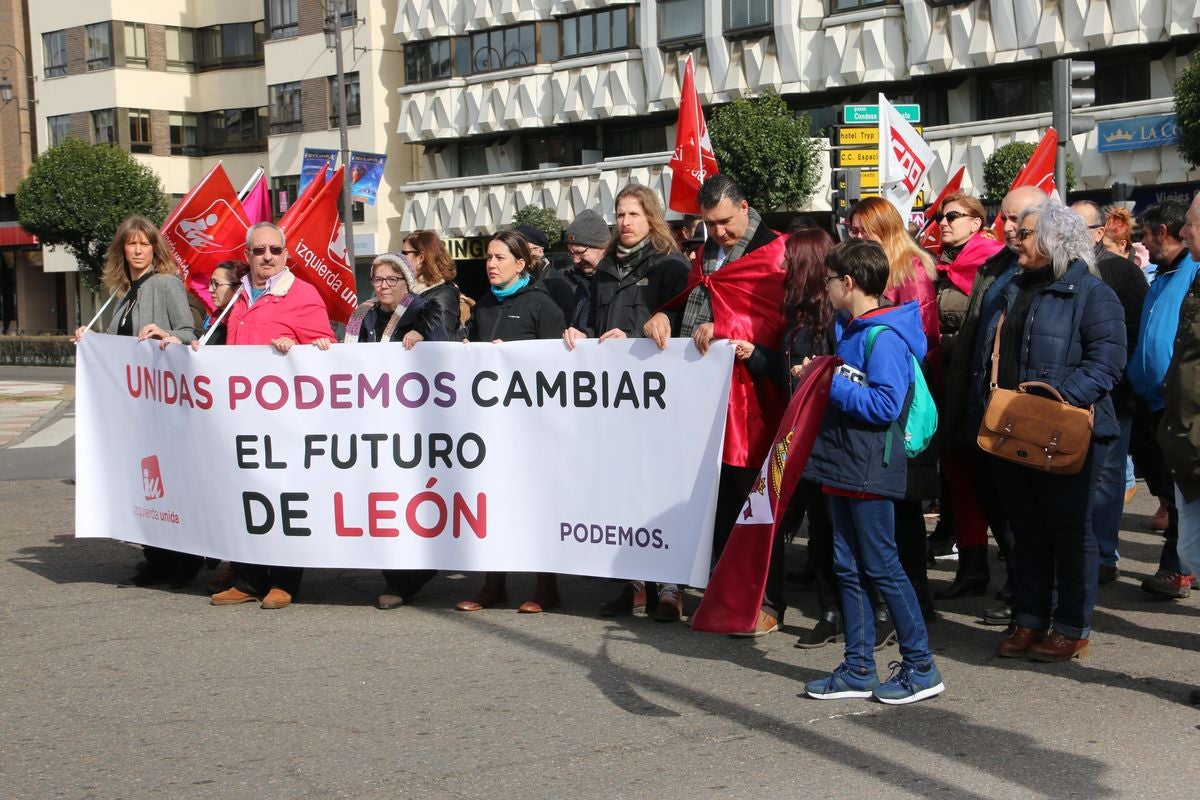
<point x="144" y="693"/>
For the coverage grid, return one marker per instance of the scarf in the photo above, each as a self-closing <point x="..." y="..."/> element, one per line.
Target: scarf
<point x="516" y="286"/>
<point x="699" y="305"/>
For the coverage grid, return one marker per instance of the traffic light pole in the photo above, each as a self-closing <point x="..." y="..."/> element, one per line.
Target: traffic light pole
<point x="1067" y="98"/>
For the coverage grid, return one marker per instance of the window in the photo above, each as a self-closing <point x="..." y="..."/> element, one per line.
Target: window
<point x="1124" y="81"/>
<point x="851" y="5"/>
<point x="472" y="160"/>
<point x="283" y="18"/>
<point x="635" y="141"/>
<point x="501" y="48"/>
<point x="563" y="149"/>
<point x="680" y="20"/>
<point x="237" y="44"/>
<point x="139" y="130"/>
<point x="741" y="14"/>
<point x="59" y="128"/>
<point x="597" y="32"/>
<point x="54" y="50"/>
<point x="284" y="190"/>
<point x="353" y="101"/>
<point x="184" y="141"/>
<point x="233" y="130"/>
<point x="181" y="50"/>
<point x="1014" y="95"/>
<point x="427" y="61"/>
<point x="285" y="107"/>
<point x="135" y="44"/>
<point x="98" y="39"/>
<point x="104" y="129"/>
<point x="347" y="11"/>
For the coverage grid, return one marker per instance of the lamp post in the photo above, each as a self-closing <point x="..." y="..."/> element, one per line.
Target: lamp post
<point x="333" y="41"/>
<point x="8" y="94"/>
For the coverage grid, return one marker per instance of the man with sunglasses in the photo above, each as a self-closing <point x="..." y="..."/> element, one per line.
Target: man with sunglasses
<point x="277" y="309"/>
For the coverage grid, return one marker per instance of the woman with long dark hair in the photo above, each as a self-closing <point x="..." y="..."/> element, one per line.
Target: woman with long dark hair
<point x="810" y="332"/>
<point x="435" y="273"/>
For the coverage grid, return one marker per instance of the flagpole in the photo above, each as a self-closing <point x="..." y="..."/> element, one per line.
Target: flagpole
<point x="696" y="122"/>
<point x="101" y="311"/>
<point x="221" y="318"/>
<point x="258" y="173"/>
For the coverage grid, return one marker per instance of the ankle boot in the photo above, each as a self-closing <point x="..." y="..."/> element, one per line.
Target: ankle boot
<point x="972" y="576"/>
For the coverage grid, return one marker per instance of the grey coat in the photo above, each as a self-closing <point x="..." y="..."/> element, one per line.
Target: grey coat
<point x="163" y="301"/>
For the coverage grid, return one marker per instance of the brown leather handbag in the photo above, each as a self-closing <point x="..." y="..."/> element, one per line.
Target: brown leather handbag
<point x="1045" y="433"/>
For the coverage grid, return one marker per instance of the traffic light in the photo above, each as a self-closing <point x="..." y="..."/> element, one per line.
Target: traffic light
<point x="1068" y="97"/>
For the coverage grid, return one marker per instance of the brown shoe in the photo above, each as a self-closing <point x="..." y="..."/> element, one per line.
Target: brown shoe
<point x="231" y="597"/>
<point x="766" y="624"/>
<point x="388" y="601"/>
<point x="545" y="595"/>
<point x="1161" y="518"/>
<point x="631" y="600"/>
<point x="277" y="598"/>
<point x="493" y="593"/>
<point x="537" y="605"/>
<point x="1057" y="647"/>
<point x="1019" y="640"/>
<point x="670" y="606"/>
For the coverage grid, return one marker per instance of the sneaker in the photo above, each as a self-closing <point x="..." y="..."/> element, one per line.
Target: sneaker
<point x="766" y="624"/>
<point x="842" y="682"/>
<point x="1168" y="584"/>
<point x="909" y="684"/>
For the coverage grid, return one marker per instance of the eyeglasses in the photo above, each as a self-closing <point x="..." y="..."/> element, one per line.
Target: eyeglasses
<point x="214" y="284"/>
<point x="390" y="280"/>
<point x="276" y="250"/>
<point x="1025" y="233"/>
<point x="1095" y="227"/>
<point x="953" y="216"/>
<point x="411" y="252"/>
<point x="576" y="250"/>
<point x="829" y="278"/>
<point x="857" y="233"/>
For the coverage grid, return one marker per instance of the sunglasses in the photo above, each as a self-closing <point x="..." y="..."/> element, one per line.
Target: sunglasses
<point x="411" y="252"/>
<point x="1025" y="233"/>
<point x="276" y="250"/>
<point x="952" y="216"/>
<point x="390" y="280"/>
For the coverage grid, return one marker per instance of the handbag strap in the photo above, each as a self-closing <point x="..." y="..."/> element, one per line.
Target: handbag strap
<point x="996" y="353"/>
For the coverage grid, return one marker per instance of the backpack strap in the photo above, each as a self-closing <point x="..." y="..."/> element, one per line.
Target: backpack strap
<point x="898" y="424"/>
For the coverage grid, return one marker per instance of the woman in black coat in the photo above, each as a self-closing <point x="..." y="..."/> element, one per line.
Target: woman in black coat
<point x="515" y="309"/>
<point x="435" y="273"/>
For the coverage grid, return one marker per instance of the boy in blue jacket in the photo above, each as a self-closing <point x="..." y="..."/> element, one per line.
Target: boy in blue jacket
<point x="859" y="460"/>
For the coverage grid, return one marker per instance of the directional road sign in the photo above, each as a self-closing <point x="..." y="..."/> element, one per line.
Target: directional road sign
<point x="869" y="114"/>
<point x="857" y="137"/>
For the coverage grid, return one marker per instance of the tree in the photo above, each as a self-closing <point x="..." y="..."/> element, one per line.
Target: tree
<point x="77" y="194"/>
<point x="766" y="148"/>
<point x="1187" y="112"/>
<point x="541" y="218"/>
<point x="1001" y="168"/>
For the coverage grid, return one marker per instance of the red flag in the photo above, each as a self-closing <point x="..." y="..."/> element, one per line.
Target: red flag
<point x="747" y="295"/>
<point x="207" y="227"/>
<point x="931" y="236"/>
<point x="1038" y="171"/>
<point x="735" y="591"/>
<point x="693" y="160"/>
<point x="257" y="203"/>
<point x="302" y="202"/>
<point x="317" y="250"/>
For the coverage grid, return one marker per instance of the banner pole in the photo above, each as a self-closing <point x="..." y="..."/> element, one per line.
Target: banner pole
<point x="101" y="311"/>
<point x="258" y="173"/>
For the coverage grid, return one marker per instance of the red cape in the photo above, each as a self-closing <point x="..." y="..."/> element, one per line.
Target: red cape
<point x="747" y="303"/>
<point x="735" y="591"/>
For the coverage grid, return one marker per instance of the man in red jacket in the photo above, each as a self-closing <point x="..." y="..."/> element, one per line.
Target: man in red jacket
<point x="274" y="308"/>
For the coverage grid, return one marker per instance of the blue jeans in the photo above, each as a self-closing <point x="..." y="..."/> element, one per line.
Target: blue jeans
<point x="1054" y="559"/>
<point x="864" y="550"/>
<point x="1108" y="495"/>
<point x="1188" y="545"/>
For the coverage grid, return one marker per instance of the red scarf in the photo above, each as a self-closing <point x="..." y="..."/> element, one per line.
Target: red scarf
<point x="977" y="250"/>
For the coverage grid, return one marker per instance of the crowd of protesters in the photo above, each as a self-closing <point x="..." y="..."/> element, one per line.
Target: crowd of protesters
<point x="1096" y="305"/>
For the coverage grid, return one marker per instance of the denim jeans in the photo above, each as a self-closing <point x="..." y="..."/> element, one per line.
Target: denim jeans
<point x="864" y="553"/>
<point x="1108" y="495"/>
<point x="1054" y="559"/>
<point x="1188" y="546"/>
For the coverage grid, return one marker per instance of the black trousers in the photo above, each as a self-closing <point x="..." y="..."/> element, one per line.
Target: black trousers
<point x="407" y="582"/>
<point x="257" y="579"/>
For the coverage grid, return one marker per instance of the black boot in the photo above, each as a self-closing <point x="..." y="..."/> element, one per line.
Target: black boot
<point x="972" y="576"/>
<point x="827" y="630"/>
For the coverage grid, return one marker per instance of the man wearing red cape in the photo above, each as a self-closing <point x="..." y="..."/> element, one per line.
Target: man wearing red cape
<point x="735" y="291"/>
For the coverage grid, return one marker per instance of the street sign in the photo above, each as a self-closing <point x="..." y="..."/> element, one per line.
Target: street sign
<point x="868" y="179"/>
<point x="841" y="201"/>
<point x="869" y="114"/>
<point x="857" y="137"/>
<point x="858" y="158"/>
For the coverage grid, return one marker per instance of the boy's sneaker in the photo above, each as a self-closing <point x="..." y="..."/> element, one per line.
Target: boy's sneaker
<point x="908" y="684"/>
<point x="842" y="682"/>
<point x="1168" y="584"/>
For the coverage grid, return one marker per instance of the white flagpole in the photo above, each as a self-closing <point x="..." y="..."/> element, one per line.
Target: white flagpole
<point x="101" y="311"/>
<point x="220" y="319"/>
<point x="258" y="173"/>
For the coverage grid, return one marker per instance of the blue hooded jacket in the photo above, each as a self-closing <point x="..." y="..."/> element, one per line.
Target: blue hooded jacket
<point x="849" y="451"/>
<point x="1156" y="340"/>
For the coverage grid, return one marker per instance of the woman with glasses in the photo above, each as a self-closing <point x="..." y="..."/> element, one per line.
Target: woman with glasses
<point x="1059" y="324"/>
<point x="911" y="277"/>
<point x="435" y="273"/>
<point x="965" y="246"/>
<point x="153" y="305"/>
<point x="517" y="308"/>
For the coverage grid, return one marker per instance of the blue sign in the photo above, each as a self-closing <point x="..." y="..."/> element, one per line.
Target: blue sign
<point x="366" y="170"/>
<point x="313" y="161"/>
<point x="1138" y="133"/>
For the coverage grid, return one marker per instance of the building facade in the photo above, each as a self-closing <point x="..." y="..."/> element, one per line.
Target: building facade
<point x="561" y="102"/>
<point x="183" y="85"/>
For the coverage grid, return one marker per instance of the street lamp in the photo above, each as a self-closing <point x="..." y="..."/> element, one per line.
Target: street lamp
<point x="333" y="41"/>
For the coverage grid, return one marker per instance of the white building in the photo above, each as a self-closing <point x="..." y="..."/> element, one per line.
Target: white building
<point x="561" y="102"/>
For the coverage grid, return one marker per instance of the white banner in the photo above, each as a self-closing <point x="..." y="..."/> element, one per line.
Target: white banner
<point x="515" y="457"/>
<point x="904" y="159"/>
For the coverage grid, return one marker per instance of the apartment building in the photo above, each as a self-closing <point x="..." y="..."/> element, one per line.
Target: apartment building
<point x="562" y="102"/>
<point x="183" y="84"/>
